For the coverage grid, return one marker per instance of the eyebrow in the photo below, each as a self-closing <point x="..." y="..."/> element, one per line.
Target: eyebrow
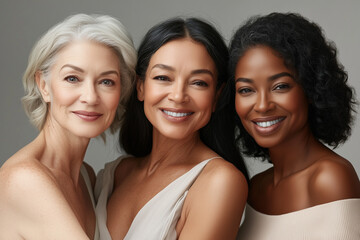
<point x="82" y="71"/>
<point x="197" y="71"/>
<point x="271" y="78"/>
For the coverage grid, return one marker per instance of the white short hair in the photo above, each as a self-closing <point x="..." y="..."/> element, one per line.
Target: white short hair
<point x="102" y="29"/>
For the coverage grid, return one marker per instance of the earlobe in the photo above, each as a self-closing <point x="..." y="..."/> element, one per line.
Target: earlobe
<point x="140" y="89"/>
<point x="43" y="86"/>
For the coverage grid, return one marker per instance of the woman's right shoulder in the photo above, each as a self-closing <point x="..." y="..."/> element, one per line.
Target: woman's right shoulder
<point x="19" y="175"/>
<point x="30" y="196"/>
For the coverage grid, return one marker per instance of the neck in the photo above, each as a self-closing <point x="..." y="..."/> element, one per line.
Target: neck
<point x="294" y="155"/>
<point x="167" y="151"/>
<point x="62" y="152"/>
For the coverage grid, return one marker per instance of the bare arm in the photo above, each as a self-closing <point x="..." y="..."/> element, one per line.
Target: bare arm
<point x="32" y="207"/>
<point x="215" y="204"/>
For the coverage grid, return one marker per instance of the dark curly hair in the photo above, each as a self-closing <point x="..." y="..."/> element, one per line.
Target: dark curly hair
<point x="136" y="130"/>
<point x="304" y="49"/>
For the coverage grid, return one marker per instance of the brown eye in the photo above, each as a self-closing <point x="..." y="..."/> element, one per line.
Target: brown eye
<point x="244" y="91"/>
<point x="281" y="86"/>
<point x="162" y="78"/>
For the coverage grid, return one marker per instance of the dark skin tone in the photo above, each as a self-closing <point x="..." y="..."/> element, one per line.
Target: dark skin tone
<point x="273" y="109"/>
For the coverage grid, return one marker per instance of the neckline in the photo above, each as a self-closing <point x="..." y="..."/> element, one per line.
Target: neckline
<point x="304" y="210"/>
<point x="143" y="208"/>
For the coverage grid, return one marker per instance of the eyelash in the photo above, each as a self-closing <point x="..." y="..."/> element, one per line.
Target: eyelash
<point x="244" y="90"/>
<point x="103" y="81"/>
<point x="281" y="86"/>
<point x="162" y="78"/>
<point x="200" y="83"/>
<point x="112" y="83"/>
<point x="70" y="77"/>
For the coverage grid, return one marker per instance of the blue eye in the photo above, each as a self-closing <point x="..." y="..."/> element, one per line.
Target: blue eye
<point x="107" y="82"/>
<point x="71" y="79"/>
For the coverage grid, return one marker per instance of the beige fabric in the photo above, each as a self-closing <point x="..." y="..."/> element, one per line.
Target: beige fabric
<point x="338" y="220"/>
<point x="157" y="219"/>
<point x="86" y="177"/>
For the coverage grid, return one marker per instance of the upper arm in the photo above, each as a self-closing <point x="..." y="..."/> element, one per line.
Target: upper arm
<point x="29" y="198"/>
<point x="215" y="205"/>
<point x="334" y="180"/>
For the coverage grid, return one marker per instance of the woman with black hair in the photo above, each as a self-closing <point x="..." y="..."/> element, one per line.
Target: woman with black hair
<point x="291" y="98"/>
<point x="175" y="183"/>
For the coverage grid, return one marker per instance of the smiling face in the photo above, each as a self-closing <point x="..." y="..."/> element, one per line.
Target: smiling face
<point x="83" y="88"/>
<point x="272" y="107"/>
<point x="179" y="89"/>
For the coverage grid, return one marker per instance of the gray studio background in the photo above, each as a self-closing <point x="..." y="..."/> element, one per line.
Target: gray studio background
<point x="22" y="22"/>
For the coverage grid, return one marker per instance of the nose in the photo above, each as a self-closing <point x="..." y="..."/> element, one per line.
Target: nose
<point x="263" y="103"/>
<point x="178" y="92"/>
<point x="89" y="94"/>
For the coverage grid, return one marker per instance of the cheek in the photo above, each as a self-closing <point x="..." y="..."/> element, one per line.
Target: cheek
<point x="297" y="104"/>
<point x="111" y="101"/>
<point x="62" y="96"/>
<point x="241" y="107"/>
<point x="205" y="101"/>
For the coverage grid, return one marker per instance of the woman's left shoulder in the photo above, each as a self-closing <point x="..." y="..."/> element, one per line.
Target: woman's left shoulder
<point x="221" y="173"/>
<point x="334" y="178"/>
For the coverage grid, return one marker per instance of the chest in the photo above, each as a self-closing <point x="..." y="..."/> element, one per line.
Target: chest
<point x="287" y="196"/>
<point x="135" y="194"/>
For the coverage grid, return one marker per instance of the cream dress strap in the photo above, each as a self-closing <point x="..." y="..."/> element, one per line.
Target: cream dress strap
<point x="157" y="219"/>
<point x="86" y="177"/>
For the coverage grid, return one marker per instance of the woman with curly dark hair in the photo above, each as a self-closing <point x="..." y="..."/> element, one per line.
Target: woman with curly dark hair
<point x="292" y="98"/>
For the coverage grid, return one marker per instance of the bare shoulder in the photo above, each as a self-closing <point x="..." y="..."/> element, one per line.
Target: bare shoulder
<point x="334" y="178"/>
<point x="22" y="181"/>
<point x="222" y="188"/>
<point x="221" y="173"/>
<point x="30" y="196"/>
<point x="19" y="172"/>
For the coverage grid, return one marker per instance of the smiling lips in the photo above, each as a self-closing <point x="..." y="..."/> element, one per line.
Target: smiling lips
<point x="176" y="115"/>
<point x="267" y="127"/>
<point x="268" y="123"/>
<point x="88" y="116"/>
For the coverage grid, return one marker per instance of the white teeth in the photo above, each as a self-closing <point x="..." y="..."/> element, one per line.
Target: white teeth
<point x="268" y="123"/>
<point x="176" y="114"/>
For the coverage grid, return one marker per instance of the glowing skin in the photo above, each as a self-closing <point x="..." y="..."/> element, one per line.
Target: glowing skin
<point x="179" y="90"/>
<point x="272" y="107"/>
<point x="83" y="89"/>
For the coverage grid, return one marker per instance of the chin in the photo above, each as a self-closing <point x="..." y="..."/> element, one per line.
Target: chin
<point x="88" y="133"/>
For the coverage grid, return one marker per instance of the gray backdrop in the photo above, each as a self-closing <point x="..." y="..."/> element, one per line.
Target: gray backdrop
<point x="22" y="22"/>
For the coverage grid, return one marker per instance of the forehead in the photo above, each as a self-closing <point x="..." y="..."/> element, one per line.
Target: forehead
<point x="182" y="53"/>
<point x="87" y="51"/>
<point x="261" y="59"/>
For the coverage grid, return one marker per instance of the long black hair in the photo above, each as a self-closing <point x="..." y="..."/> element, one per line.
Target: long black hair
<point x="136" y="130"/>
